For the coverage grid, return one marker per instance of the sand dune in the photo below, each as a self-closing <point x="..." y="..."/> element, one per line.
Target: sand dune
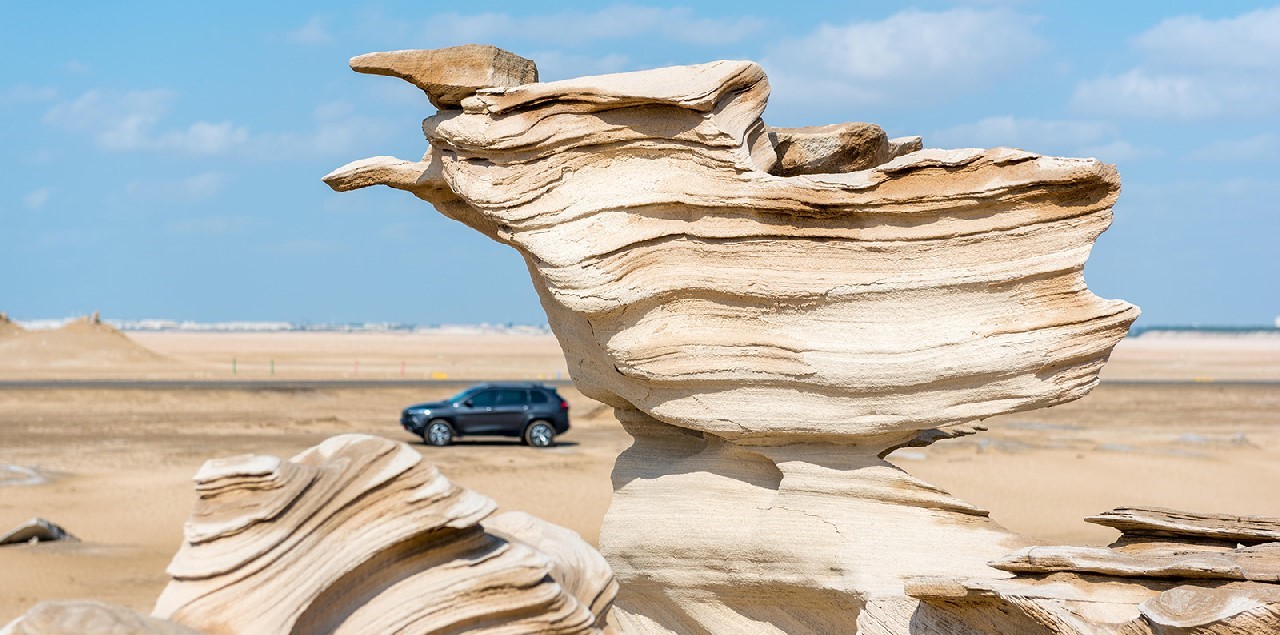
<point x="84" y="344"/>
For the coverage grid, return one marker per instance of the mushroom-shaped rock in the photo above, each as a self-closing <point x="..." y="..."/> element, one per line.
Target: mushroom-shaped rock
<point x="767" y="334"/>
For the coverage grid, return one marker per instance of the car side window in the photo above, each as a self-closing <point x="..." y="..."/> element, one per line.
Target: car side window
<point x="537" y="396"/>
<point x="510" y="398"/>
<point x="484" y="399"/>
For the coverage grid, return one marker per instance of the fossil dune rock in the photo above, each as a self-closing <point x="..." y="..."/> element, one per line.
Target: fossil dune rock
<point x="361" y="535"/>
<point x="356" y="535"/>
<point x="1170" y="572"/>
<point x="770" y="313"/>
<point x="87" y="617"/>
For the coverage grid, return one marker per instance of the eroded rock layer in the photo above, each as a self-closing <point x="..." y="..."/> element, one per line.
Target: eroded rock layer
<point x="360" y="535"/>
<point x="1171" y="572"/>
<point x="770" y="312"/>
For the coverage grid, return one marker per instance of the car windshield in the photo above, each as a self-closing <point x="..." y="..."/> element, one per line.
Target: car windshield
<point x="462" y="395"/>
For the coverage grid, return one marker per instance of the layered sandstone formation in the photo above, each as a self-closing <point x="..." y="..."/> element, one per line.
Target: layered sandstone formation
<point x="771" y="311"/>
<point x="1170" y="572"/>
<point x="356" y="535"/>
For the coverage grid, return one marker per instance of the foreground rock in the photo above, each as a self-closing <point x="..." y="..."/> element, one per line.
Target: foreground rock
<point x="768" y="330"/>
<point x="356" y="535"/>
<point x="1170" y="572"/>
<point x="36" y="530"/>
<point x="89" y="618"/>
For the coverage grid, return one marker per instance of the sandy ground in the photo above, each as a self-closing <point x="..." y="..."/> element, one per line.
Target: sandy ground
<point x="116" y="464"/>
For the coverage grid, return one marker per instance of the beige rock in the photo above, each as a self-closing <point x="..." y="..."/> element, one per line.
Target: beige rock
<point x="36" y="529"/>
<point x="85" y="617"/>
<point x="842" y="147"/>
<point x="360" y="535"/>
<point x="1258" y="564"/>
<point x="1143" y="584"/>
<point x="899" y="146"/>
<point x="1153" y="522"/>
<point x="451" y="74"/>
<point x="767" y="339"/>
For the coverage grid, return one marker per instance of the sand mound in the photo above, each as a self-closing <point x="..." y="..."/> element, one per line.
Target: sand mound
<point x="86" y="342"/>
<point x="9" y="327"/>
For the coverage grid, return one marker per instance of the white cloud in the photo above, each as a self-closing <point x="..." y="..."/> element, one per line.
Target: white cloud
<point x="617" y="22"/>
<point x="1031" y="134"/>
<point x="23" y="94"/>
<point x="210" y="226"/>
<point x="1193" y="68"/>
<point x="315" y="31"/>
<point x="186" y="190"/>
<point x="553" y="65"/>
<point x="1251" y="40"/>
<point x="905" y="55"/>
<point x="1115" y="151"/>
<point x="39" y="157"/>
<point x="338" y="131"/>
<point x="127" y="121"/>
<point x="36" y="199"/>
<point x="1263" y="146"/>
<point x="1049" y="136"/>
<point x="1141" y="93"/>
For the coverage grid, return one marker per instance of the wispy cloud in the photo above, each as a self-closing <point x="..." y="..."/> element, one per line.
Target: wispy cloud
<point x="618" y="22"/>
<point x="210" y="226"/>
<point x="128" y="121"/>
<point x="1194" y="68"/>
<point x="1050" y="136"/>
<point x="903" y="56"/>
<point x="337" y="130"/>
<point x="132" y="121"/>
<point x="314" y="32"/>
<point x="190" y="189"/>
<point x="25" y="94"/>
<point x="36" y="199"/>
<point x="1262" y="146"/>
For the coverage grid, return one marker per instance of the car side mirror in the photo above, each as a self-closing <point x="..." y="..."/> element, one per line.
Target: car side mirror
<point x="467" y="403"/>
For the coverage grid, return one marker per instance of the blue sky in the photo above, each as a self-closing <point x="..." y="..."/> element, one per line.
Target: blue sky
<point x="164" y="159"/>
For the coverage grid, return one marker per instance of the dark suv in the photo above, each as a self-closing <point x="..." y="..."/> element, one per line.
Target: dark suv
<point x="533" y="412"/>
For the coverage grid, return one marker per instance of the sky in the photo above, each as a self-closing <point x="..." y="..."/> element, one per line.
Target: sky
<point x="163" y="159"/>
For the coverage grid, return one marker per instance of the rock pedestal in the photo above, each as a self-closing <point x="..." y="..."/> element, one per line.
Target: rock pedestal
<point x="771" y="312"/>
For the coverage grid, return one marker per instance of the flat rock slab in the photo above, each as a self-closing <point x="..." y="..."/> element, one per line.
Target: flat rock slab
<point x="1258" y="564"/>
<point x="451" y="74"/>
<point x="1156" y="521"/>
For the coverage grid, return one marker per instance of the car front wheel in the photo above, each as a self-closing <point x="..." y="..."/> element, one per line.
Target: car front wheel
<point x="540" y="434"/>
<point x="438" y="433"/>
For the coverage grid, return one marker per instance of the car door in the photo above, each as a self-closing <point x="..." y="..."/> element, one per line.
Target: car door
<point x="475" y="414"/>
<point x="510" y="409"/>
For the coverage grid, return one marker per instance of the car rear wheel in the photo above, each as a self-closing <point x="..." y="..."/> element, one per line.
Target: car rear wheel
<point x="438" y="433"/>
<point x="540" y="434"/>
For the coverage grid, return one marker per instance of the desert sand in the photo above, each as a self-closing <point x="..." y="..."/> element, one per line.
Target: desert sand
<point x="116" y="464"/>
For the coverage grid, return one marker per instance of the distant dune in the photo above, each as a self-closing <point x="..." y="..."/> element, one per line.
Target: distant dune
<point x="86" y="342"/>
<point x="8" y="327"/>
